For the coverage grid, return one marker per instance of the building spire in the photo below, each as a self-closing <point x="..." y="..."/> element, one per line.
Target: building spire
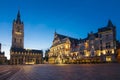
<point x="18" y="20"/>
<point x="110" y="23"/>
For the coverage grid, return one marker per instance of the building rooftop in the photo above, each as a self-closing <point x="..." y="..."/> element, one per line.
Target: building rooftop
<point x="63" y="39"/>
<point x="26" y="50"/>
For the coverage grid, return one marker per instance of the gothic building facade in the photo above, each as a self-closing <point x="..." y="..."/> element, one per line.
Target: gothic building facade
<point x="96" y="47"/>
<point x="19" y="55"/>
<point x="62" y="49"/>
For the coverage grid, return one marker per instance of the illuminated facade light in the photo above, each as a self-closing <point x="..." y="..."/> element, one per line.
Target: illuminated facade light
<point x="104" y="52"/>
<point x="108" y="59"/>
<point x="113" y="51"/>
<point x="87" y="55"/>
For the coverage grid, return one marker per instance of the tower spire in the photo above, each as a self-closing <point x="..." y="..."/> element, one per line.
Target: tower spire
<point x="110" y="23"/>
<point x="18" y="20"/>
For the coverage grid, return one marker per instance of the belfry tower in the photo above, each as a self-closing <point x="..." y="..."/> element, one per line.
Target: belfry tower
<point x="18" y="33"/>
<point x="19" y="55"/>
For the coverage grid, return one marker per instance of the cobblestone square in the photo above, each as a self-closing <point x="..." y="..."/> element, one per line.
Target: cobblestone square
<point x="60" y="72"/>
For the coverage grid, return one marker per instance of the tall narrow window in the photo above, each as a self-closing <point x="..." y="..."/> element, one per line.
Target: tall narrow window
<point x="14" y="40"/>
<point x="100" y="41"/>
<point x="20" y="41"/>
<point x="18" y="29"/>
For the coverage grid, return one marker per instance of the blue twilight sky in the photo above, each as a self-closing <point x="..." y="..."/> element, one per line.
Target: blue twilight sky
<point x="75" y="18"/>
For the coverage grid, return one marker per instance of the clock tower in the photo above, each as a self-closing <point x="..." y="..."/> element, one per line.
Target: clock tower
<point x="18" y="33"/>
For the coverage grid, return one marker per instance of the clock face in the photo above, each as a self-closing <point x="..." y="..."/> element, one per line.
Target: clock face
<point x="18" y="33"/>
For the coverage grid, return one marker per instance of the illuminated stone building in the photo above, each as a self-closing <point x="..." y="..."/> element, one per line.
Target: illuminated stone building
<point x="3" y="59"/>
<point x="96" y="47"/>
<point x="107" y="36"/>
<point x="19" y="55"/>
<point x="100" y="46"/>
<point x="61" y="49"/>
